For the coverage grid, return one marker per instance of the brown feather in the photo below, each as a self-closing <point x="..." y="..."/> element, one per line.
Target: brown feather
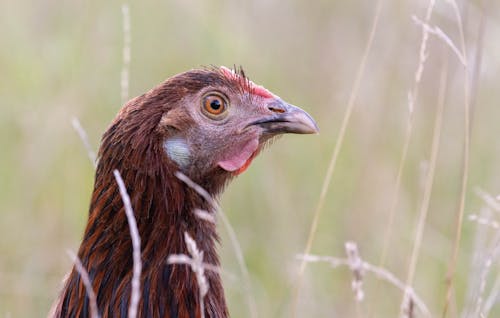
<point x="163" y="205"/>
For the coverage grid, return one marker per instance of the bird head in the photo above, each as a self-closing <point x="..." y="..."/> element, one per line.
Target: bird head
<point x="209" y="123"/>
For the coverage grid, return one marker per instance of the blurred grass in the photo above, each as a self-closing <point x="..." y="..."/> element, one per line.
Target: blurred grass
<point x="63" y="59"/>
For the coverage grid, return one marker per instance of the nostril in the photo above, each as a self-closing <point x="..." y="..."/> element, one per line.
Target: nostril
<point x="275" y="109"/>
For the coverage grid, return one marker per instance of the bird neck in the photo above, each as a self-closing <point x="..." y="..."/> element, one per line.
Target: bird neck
<point x="164" y="210"/>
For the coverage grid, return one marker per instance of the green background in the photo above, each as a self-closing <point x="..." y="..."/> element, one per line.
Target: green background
<point x="60" y="59"/>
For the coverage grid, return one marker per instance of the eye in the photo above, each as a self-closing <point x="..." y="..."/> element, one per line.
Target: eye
<point x="214" y="105"/>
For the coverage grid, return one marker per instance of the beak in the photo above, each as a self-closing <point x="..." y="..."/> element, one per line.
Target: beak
<point x="286" y="118"/>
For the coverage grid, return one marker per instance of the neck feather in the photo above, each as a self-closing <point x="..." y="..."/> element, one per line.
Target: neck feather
<point x="164" y="210"/>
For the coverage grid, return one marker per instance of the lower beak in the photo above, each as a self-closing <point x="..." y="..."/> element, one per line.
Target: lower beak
<point x="287" y="118"/>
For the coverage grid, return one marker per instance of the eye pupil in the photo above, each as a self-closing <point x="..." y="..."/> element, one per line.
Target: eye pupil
<point x="215" y="104"/>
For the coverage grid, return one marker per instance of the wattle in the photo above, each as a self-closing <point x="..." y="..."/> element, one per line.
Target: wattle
<point x="239" y="160"/>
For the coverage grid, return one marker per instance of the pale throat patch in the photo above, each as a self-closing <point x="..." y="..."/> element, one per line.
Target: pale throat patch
<point x="178" y="151"/>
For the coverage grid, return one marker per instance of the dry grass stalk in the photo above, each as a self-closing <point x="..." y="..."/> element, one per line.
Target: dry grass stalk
<point x="197" y="266"/>
<point x="465" y="169"/>
<point x="484" y="221"/>
<point x="478" y="56"/>
<point x="136" y="246"/>
<point x="94" y="312"/>
<point x="435" y="30"/>
<point x="336" y="151"/>
<point x="185" y="259"/>
<point x="359" y="268"/>
<point x="422" y="55"/>
<point x="488" y="262"/>
<point x="195" y="261"/>
<point x="429" y="181"/>
<point x="124" y="83"/>
<point x="85" y="140"/>
<point x="232" y="237"/>
<point x="356" y="267"/>
<point x="492" y="202"/>
<point x="412" y="97"/>
<point x="479" y="253"/>
<point x="204" y="215"/>
<point x="479" y="303"/>
<point x="492" y="298"/>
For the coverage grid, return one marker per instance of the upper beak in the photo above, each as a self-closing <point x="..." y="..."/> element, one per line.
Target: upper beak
<point x="286" y="118"/>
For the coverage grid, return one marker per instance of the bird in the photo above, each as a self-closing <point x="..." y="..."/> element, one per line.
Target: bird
<point x="209" y="124"/>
